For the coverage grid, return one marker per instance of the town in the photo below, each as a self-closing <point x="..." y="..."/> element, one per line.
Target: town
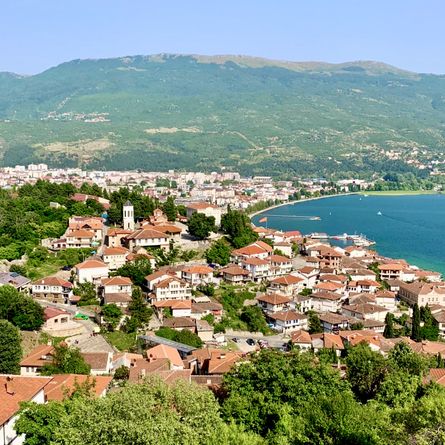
<point x="192" y="290"/>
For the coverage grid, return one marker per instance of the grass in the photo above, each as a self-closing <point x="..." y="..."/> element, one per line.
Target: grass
<point x="121" y="341"/>
<point x="400" y="192"/>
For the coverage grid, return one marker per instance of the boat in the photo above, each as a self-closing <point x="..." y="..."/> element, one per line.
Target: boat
<point x="379" y="213"/>
<point x="317" y="235"/>
<point x="314" y="218"/>
<point x="344" y="236"/>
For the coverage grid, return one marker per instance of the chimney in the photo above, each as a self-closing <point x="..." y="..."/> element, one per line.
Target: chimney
<point x="10" y="386"/>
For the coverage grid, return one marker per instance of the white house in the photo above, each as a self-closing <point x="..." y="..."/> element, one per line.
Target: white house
<point x="91" y="271"/>
<point x="196" y="275"/>
<point x="53" y="289"/>
<point x="326" y="301"/>
<point x="13" y="391"/>
<point x="115" y="257"/>
<point x="257" y="268"/>
<point x="147" y="238"/>
<point x="79" y="239"/>
<point x="273" y="302"/>
<point x="116" y="290"/>
<point x="280" y="265"/>
<point x="172" y="288"/>
<point x="287" y="321"/>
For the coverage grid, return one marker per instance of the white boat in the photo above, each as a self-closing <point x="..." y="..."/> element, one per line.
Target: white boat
<point x="379" y="213"/>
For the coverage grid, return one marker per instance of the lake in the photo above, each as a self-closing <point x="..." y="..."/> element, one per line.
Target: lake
<point x="410" y="227"/>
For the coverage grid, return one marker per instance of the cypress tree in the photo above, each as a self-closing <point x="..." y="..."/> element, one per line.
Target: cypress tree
<point x="416" y="334"/>
<point x="389" y="326"/>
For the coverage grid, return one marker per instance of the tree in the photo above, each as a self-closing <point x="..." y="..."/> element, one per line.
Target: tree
<point x="66" y="360"/>
<point x="185" y="336"/>
<point x="87" y="293"/>
<point x="122" y="373"/>
<point x="21" y="310"/>
<point x="145" y="414"/>
<point x="218" y="252"/>
<point x="136" y="270"/>
<point x="236" y="225"/>
<point x="365" y="371"/>
<point x="10" y="348"/>
<point x="416" y="333"/>
<point x="200" y="226"/>
<point x="430" y="328"/>
<point x="170" y="209"/>
<point x="139" y="311"/>
<point x="112" y="315"/>
<point x="254" y="318"/>
<point x="389" y="326"/>
<point x="315" y="326"/>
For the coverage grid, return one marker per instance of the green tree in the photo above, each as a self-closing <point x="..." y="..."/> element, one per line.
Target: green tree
<point x="430" y="328"/>
<point x="66" y="360"/>
<point x="136" y="270"/>
<point x="169" y="209"/>
<point x="254" y="318"/>
<point x="315" y="326"/>
<point x="122" y="373"/>
<point x="144" y="414"/>
<point x="112" y="315"/>
<point x="140" y="313"/>
<point x="87" y="293"/>
<point x="218" y="252"/>
<point x="184" y="336"/>
<point x="21" y="310"/>
<point x="365" y="371"/>
<point x="10" y="348"/>
<point x="389" y="326"/>
<point x="200" y="226"/>
<point x="416" y="333"/>
<point x="236" y="225"/>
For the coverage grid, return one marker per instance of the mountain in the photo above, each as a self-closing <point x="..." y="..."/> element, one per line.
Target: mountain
<point x="206" y="112"/>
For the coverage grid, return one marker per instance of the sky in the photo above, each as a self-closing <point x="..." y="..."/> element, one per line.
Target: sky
<point x="38" y="34"/>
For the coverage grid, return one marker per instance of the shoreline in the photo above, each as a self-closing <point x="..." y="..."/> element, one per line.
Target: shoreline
<point x="288" y="203"/>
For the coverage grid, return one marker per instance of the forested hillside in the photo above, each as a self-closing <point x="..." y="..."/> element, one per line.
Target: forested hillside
<point x="248" y="114"/>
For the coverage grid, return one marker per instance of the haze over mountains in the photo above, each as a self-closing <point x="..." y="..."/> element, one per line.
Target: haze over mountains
<point x="205" y="112"/>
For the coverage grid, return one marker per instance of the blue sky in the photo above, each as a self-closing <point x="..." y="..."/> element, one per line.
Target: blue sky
<point x="38" y="34"/>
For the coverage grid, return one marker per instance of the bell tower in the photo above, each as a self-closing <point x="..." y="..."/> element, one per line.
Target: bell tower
<point x="128" y="216"/>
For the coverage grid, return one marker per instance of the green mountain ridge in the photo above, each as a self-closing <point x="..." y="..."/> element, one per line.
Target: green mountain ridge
<point x="245" y="113"/>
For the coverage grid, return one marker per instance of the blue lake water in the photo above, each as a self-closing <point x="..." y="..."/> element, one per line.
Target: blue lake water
<point x="410" y="227"/>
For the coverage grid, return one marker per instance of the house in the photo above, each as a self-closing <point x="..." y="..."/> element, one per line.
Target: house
<point x="356" y="252"/>
<point x="116" y="290"/>
<point x="204" y="330"/>
<point x="115" y="236"/>
<point x="178" y="308"/>
<point x="196" y="275"/>
<point x="280" y="265"/>
<point x="156" y="277"/>
<point x="329" y="286"/>
<point x="363" y="286"/>
<point x="284" y="247"/>
<point x="79" y="239"/>
<point x="206" y="209"/>
<point x="62" y="384"/>
<point x="334" y="323"/>
<point x="115" y="257"/>
<point x="40" y="356"/>
<point x="386" y="299"/>
<point x="328" y="341"/>
<point x="147" y="238"/>
<point x="100" y="362"/>
<point x="93" y="224"/>
<point x="126" y="359"/>
<point x="259" y="249"/>
<point x="365" y="311"/>
<point x="141" y="368"/>
<point x="15" y="280"/>
<point x="202" y="308"/>
<point x="432" y="277"/>
<point x="362" y="274"/>
<point x="59" y="323"/>
<point x="287" y="285"/>
<point x="91" y="271"/>
<point x="422" y="293"/>
<point x="171" y="230"/>
<point x="302" y="340"/>
<point x="234" y="274"/>
<point x="323" y="301"/>
<point x="13" y="391"/>
<point x="257" y="268"/>
<point x="53" y="289"/>
<point x="273" y="302"/>
<point x="328" y="255"/>
<point x="171" y="288"/>
<point x="287" y="321"/>
<point x="440" y="320"/>
<point x="309" y="275"/>
<point x="166" y="352"/>
<point x="214" y="362"/>
<point x="180" y="323"/>
<point x="391" y="271"/>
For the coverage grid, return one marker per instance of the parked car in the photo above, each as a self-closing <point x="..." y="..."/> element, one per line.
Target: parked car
<point x="235" y="339"/>
<point x="250" y="342"/>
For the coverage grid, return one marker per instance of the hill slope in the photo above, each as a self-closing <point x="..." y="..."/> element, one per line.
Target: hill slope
<point x="201" y="112"/>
